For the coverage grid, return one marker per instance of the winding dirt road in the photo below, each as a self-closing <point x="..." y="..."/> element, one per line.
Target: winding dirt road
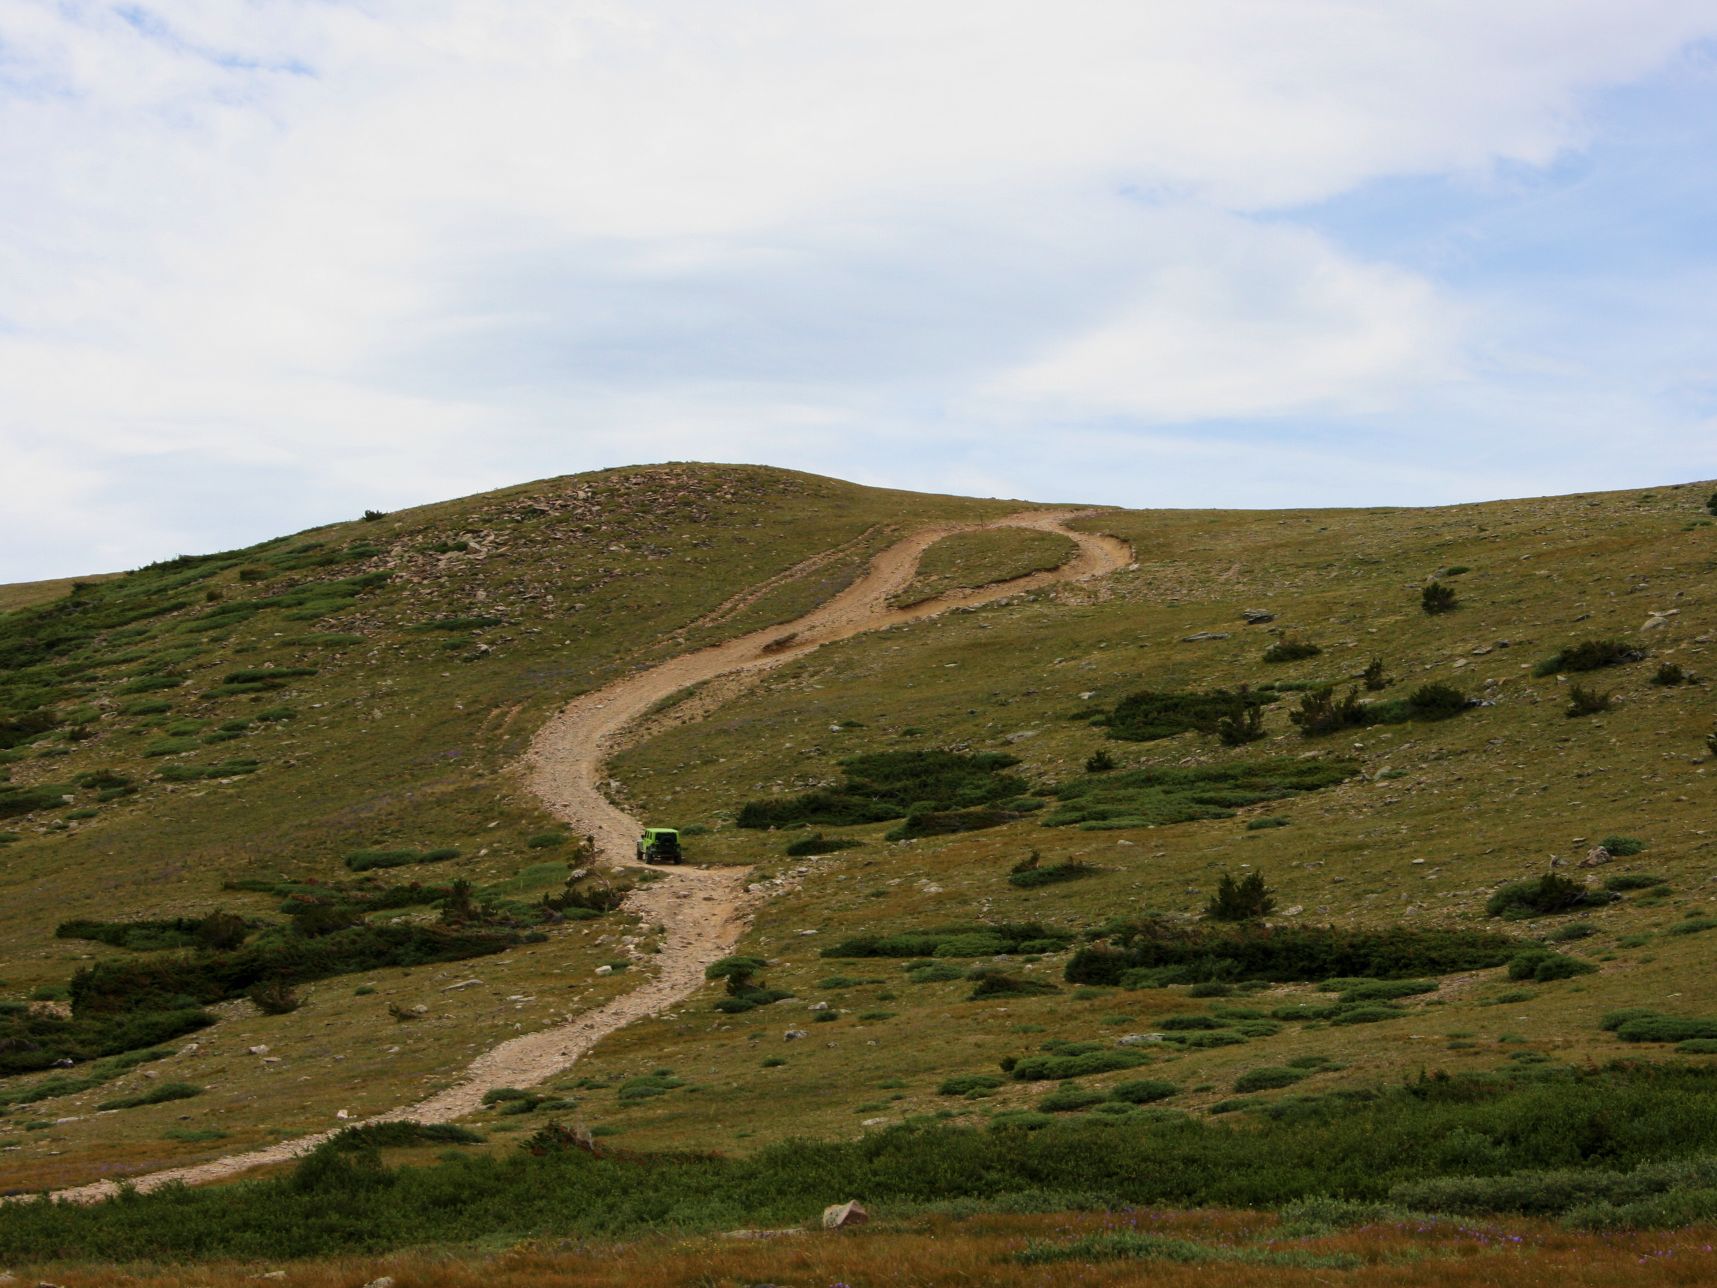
<point x="702" y="910"/>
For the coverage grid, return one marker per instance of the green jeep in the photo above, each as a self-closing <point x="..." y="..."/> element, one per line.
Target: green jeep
<point x="659" y="845"/>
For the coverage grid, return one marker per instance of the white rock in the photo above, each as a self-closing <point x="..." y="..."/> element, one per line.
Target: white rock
<point x="604" y="970"/>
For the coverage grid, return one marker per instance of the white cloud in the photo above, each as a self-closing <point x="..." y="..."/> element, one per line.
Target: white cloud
<point x="412" y="247"/>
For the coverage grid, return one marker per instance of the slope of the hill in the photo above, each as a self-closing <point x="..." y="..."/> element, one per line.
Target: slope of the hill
<point x="280" y="717"/>
<point x="1009" y="783"/>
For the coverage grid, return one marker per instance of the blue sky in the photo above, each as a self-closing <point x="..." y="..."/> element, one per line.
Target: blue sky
<point x="263" y="266"/>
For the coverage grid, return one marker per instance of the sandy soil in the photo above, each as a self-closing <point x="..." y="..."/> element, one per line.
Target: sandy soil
<point x="702" y="910"/>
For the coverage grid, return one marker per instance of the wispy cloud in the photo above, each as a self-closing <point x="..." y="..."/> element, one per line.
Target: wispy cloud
<point x="383" y="253"/>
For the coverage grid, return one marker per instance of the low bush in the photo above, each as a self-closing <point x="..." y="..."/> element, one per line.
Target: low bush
<point x="890" y="785"/>
<point x="157" y="1095"/>
<point x="1067" y="1099"/>
<point x="272" y="997"/>
<point x="371" y="860"/>
<point x="1033" y="877"/>
<point x="1142" y="1091"/>
<point x="1238" y="730"/>
<point x="1548" y="895"/>
<point x="1436" y="702"/>
<point x="1184" y="953"/>
<point x="1436" y="598"/>
<point x="1623" y="847"/>
<point x="996" y="983"/>
<point x="1057" y="1067"/>
<point x="1588" y="702"/>
<point x="1670" y="674"/>
<point x="1542" y="966"/>
<point x="1099" y="762"/>
<point x="817" y="843"/>
<point x="1610" y="1147"/>
<point x="401" y="1134"/>
<point x="968" y="1084"/>
<point x="1160" y="796"/>
<point x="1244" y="900"/>
<point x="1268" y="1078"/>
<point x="928" y="822"/>
<point x="1590" y="655"/>
<point x="745" y="991"/>
<point x="968" y="940"/>
<point x="1149" y="715"/>
<point x="1290" y="649"/>
<point x="1648" y="1027"/>
<point x="218" y="930"/>
<point x="1624" y="881"/>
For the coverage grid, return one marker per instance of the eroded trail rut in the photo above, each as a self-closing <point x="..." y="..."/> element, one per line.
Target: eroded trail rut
<point x="702" y="909"/>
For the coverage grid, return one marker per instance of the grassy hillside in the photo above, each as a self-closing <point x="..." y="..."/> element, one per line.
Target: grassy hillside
<point x="261" y="715"/>
<point x="1016" y="941"/>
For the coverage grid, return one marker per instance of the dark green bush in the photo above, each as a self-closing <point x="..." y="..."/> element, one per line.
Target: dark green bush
<point x="1244" y="900"/>
<point x="888" y="785"/>
<point x="1099" y="762"/>
<point x="1632" y="881"/>
<point x="1670" y="674"/>
<point x="1046" y="1068"/>
<point x="925" y="822"/>
<point x="817" y="843"/>
<point x="968" y="940"/>
<point x="1544" y="896"/>
<point x="1142" y="1091"/>
<point x="1289" y="649"/>
<point x="967" y="1084"/>
<point x="1588" y="702"/>
<point x="1267" y="1079"/>
<point x="1178" y="794"/>
<point x="1437" y="598"/>
<point x="1321" y="712"/>
<point x="1664" y="1028"/>
<point x="157" y="1095"/>
<point x="1542" y="965"/>
<point x="1590" y="655"/>
<point x="1437" y="702"/>
<point x="1623" y="847"/>
<point x="1149" y="715"/>
<point x="1032" y="878"/>
<point x="997" y="983"/>
<point x="1187" y="953"/>
<point x="370" y="860"/>
<point x="1067" y="1099"/>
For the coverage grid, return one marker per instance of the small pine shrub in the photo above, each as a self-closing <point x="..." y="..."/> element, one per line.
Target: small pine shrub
<point x="167" y="1091"/>
<point x="1099" y="762"/>
<point x="1267" y="1079"/>
<point x="1142" y="1091"/>
<point x="1544" y="896"/>
<point x="1373" y="676"/>
<point x="817" y="843"/>
<point x="1437" y="598"/>
<point x="1321" y="712"/>
<point x="1244" y="900"/>
<point x="1711" y="503"/>
<point x="1291" y="649"/>
<point x="1541" y="965"/>
<point x="1670" y="674"/>
<point x="1588" y="702"/>
<point x="991" y="982"/>
<point x="1436" y="702"/>
<point x="1623" y="847"/>
<point x="370" y="516"/>
<point x="1033" y="877"/>
<point x="1589" y="655"/>
<point x="1244" y="726"/>
<point x="1264" y="824"/>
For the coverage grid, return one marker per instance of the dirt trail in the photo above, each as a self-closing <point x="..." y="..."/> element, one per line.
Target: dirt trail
<point x="702" y="910"/>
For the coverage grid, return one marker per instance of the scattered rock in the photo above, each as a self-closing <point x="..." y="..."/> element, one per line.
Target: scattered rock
<point x="1596" y="857"/>
<point x="793" y="1035"/>
<point x="1257" y="616"/>
<point x="837" y="1216"/>
<point x="464" y="983"/>
<point x="1203" y="635"/>
<point x="818" y="1006"/>
<point x="604" y="970"/>
<point x="1138" y="1039"/>
<point x="386" y="1281"/>
<point x="258" y="1049"/>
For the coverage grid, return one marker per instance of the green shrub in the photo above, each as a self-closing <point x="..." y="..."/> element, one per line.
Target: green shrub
<point x="1268" y="1078"/>
<point x="1188" y="953"/>
<point x="1142" y="1091"/>
<point x="1321" y="712"/>
<point x="817" y="843"/>
<point x="1032" y="878"/>
<point x="1263" y="824"/>
<point x="968" y="940"/>
<point x="1623" y="881"/>
<point x="1544" y="896"/>
<point x="370" y="860"/>
<point x="272" y="997"/>
<point x="1542" y="965"/>
<point x="546" y="840"/>
<point x="157" y="1095"/>
<point x="1099" y="762"/>
<point x="1623" y="847"/>
<point x="1149" y="715"/>
<point x="922" y="823"/>
<point x="1067" y="1099"/>
<point x="1178" y="794"/>
<point x="1437" y="598"/>
<point x="1244" y="900"/>
<point x="1290" y="649"/>
<point x="1588" y="702"/>
<point x="1238" y="730"/>
<point x="889" y="785"/>
<point x="1590" y="655"/>
<point x="1437" y="702"/>
<point x="1664" y="1028"/>
<point x="1054" y="1067"/>
<point x="1374" y="677"/>
<point x="969" y="1084"/>
<point x="996" y="983"/>
<point x="1670" y="674"/>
